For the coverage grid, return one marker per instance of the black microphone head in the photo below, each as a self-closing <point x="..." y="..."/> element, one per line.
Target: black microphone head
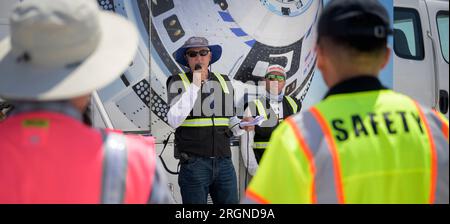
<point x="198" y="67"/>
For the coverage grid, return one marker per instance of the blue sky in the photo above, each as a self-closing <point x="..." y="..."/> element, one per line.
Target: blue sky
<point x="318" y="88"/>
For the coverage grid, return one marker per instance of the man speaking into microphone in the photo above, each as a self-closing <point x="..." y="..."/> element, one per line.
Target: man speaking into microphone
<point x="203" y="113"/>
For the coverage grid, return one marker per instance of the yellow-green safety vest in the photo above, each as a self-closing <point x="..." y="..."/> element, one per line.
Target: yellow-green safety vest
<point x="368" y="147"/>
<point x="206" y="122"/>
<point x="262" y="112"/>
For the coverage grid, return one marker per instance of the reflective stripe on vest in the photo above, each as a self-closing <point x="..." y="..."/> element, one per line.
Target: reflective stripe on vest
<point x="308" y="153"/>
<point x="251" y="197"/>
<point x="260" y="108"/>
<point x="293" y="104"/>
<point x="333" y="153"/>
<point x="219" y="77"/>
<point x="262" y="111"/>
<point x="222" y="83"/>
<point x="324" y="189"/>
<point x="185" y="80"/>
<point x="433" y="155"/>
<point x="206" y="122"/>
<point x="260" y="145"/>
<point x="444" y="123"/>
<point x="115" y="165"/>
<point x="438" y="125"/>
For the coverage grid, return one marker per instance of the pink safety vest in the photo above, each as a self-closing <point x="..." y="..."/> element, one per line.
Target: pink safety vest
<point x="48" y="157"/>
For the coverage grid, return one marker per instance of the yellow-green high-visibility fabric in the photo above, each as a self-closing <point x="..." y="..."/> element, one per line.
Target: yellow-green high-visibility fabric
<point x="185" y="80"/>
<point x="283" y="174"/>
<point x="260" y="145"/>
<point x="260" y="108"/>
<point x="368" y="147"/>
<point x="219" y="77"/>
<point x="206" y="122"/>
<point x="222" y="82"/>
<point x="385" y="157"/>
<point x="293" y="104"/>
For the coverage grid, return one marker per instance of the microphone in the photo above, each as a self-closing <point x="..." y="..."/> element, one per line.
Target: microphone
<point x="197" y="74"/>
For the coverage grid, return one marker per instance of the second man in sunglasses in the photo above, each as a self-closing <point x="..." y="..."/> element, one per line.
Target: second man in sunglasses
<point x="203" y="113"/>
<point x="274" y="106"/>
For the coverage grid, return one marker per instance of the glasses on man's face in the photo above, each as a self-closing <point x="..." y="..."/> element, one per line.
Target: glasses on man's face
<point x="193" y="54"/>
<point x="273" y="77"/>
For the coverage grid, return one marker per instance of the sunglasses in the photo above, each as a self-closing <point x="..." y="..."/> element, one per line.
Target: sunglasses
<point x="273" y="77"/>
<point x="193" y="54"/>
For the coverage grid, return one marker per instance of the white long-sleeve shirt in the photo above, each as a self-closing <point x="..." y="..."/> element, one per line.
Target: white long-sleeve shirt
<point x="181" y="109"/>
<point x="248" y="155"/>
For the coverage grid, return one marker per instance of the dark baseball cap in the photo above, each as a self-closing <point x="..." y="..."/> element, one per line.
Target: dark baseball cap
<point x="354" y="18"/>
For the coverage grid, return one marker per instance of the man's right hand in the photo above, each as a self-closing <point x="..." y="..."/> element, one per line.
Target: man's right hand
<point x="248" y="119"/>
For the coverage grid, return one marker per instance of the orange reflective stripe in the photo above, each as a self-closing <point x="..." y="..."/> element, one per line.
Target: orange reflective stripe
<point x="333" y="150"/>
<point x="444" y="124"/>
<point x="305" y="149"/>
<point x="433" y="154"/>
<point x="255" y="197"/>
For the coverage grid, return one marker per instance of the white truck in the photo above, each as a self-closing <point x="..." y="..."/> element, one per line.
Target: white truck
<point x="421" y="51"/>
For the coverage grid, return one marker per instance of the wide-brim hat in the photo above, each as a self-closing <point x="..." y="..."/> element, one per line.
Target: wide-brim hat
<point x="63" y="49"/>
<point x="194" y="42"/>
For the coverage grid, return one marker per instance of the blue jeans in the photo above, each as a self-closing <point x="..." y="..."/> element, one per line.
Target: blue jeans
<point x="200" y="176"/>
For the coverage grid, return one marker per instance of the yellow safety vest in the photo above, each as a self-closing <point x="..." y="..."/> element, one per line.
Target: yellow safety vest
<point x="368" y="147"/>
<point x="206" y="122"/>
<point x="262" y="112"/>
